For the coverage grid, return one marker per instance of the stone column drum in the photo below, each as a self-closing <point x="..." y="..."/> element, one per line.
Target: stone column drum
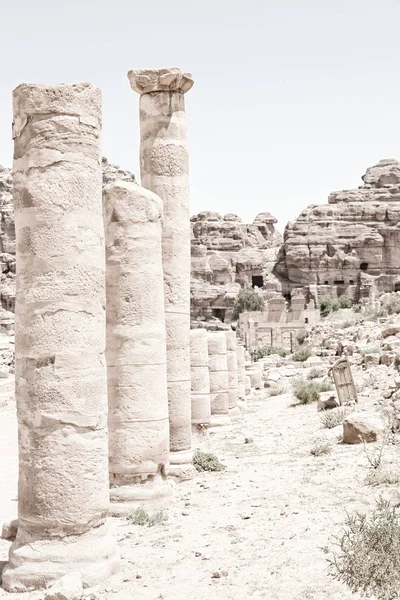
<point x="241" y="372"/>
<point x="219" y="380"/>
<point x="164" y="171"/>
<point x="231" y="355"/>
<point x="60" y="372"/>
<point x="200" y="378"/>
<point x="136" y="347"/>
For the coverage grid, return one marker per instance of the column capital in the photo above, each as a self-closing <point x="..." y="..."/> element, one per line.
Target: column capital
<point x="171" y="79"/>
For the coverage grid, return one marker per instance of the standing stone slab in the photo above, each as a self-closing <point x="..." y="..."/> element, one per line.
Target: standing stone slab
<point x="231" y="355"/>
<point x="136" y="347"/>
<point x="219" y="380"/>
<point x="200" y="378"/>
<point x="164" y="170"/>
<point x="61" y="390"/>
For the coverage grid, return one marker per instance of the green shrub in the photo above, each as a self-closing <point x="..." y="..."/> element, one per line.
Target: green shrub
<point x="206" y="461"/>
<point x="382" y="476"/>
<point x="329" y="305"/>
<point x="320" y="449"/>
<point x="247" y="299"/>
<point x="301" y="354"/>
<point x="315" y="373"/>
<point x="307" y="391"/>
<point x="367" y="555"/>
<point x="393" y="306"/>
<point x="142" y="518"/>
<point x="266" y="351"/>
<point x="333" y="417"/>
<point x="302" y="336"/>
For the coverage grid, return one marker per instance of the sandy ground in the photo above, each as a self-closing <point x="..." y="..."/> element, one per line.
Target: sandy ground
<point x="263" y="520"/>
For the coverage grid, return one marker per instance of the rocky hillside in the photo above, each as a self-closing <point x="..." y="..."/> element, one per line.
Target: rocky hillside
<point x="351" y="244"/>
<point x="227" y="254"/>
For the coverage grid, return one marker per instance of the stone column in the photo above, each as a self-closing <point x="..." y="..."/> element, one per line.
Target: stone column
<point x="164" y="170"/>
<point x="60" y="372"/>
<point x="241" y="372"/>
<point x="219" y="381"/>
<point x="231" y="355"/>
<point x="136" y="347"/>
<point x="200" y="378"/>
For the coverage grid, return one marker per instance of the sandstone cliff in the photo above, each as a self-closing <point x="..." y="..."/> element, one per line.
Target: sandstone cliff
<point x="350" y="245"/>
<point x="227" y="255"/>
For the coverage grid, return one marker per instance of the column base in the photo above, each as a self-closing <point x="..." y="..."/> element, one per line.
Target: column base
<point x="34" y="564"/>
<point x="181" y="465"/>
<point x="234" y="413"/>
<point x="156" y="492"/>
<point x="219" y="423"/>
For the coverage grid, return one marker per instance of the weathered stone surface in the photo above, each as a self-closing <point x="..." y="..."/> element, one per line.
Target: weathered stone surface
<point x="136" y="347"/>
<point x="9" y="530"/>
<point x="164" y="167"/>
<point x="68" y="587"/>
<point x="393" y="330"/>
<point x="226" y="255"/>
<point x="60" y="371"/>
<point x="371" y="360"/>
<point x="350" y="243"/>
<point x="359" y="427"/>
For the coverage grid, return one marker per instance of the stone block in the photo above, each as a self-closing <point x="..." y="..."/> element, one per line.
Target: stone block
<point x="362" y="427"/>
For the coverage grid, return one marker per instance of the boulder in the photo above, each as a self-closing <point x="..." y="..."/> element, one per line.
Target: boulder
<point x="362" y="427"/>
<point x="9" y="530"/>
<point x="371" y="360"/>
<point x="68" y="587"/>
<point x="313" y="361"/>
<point x="393" y="330"/>
<point x="327" y="400"/>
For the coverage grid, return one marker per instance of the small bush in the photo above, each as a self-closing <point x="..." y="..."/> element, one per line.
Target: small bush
<point x="266" y="351"/>
<point x="206" y="461"/>
<point x="382" y="476"/>
<point x="345" y="324"/>
<point x="367" y="555"/>
<point x="329" y="305"/>
<point x="393" y="306"/>
<point x="277" y="391"/>
<point x="320" y="449"/>
<point x="307" y="391"/>
<point x="302" y="336"/>
<point x="333" y="417"/>
<point x="142" y="518"/>
<point x="247" y="299"/>
<point x="301" y="354"/>
<point x="374" y="456"/>
<point x="315" y="373"/>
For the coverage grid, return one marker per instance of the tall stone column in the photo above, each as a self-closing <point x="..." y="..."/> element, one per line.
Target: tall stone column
<point x="241" y="372"/>
<point x="60" y="372"/>
<point x="164" y="171"/>
<point x="219" y="380"/>
<point x="136" y="347"/>
<point x="231" y="355"/>
<point x="200" y="378"/>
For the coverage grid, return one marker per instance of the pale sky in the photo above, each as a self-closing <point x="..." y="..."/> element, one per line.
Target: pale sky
<point x="292" y="98"/>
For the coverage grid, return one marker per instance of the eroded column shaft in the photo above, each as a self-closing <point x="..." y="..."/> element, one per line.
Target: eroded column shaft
<point x="164" y="170"/>
<point x="200" y="378"/>
<point x="241" y="372"/>
<point x="231" y="355"/>
<point x="136" y="346"/>
<point x="61" y="390"/>
<point x="219" y="381"/>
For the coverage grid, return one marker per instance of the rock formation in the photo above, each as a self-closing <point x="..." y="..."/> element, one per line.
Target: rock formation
<point x="351" y="244"/>
<point x="164" y="167"/>
<point x="61" y="388"/>
<point x="136" y="346"/>
<point x="227" y="255"/>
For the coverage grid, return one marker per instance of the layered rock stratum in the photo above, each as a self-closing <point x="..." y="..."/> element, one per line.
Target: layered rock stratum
<point x="228" y="254"/>
<point x="350" y="244"/>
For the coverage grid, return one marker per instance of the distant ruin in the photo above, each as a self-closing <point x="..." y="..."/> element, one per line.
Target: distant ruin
<point x="278" y="325"/>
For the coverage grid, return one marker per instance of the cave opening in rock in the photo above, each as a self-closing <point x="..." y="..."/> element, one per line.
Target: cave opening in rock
<point x="257" y="281"/>
<point x="397" y="287"/>
<point x="219" y="313"/>
<point x="364" y="266"/>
